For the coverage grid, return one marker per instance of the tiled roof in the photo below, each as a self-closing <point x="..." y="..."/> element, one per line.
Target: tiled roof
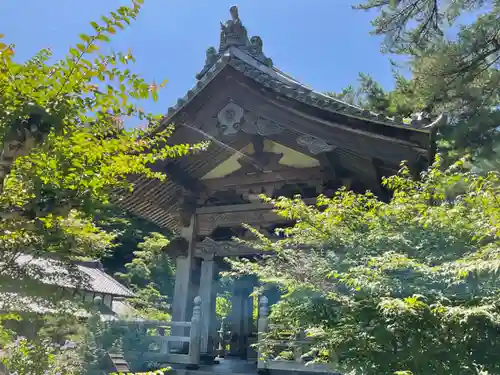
<point x="101" y="282"/>
<point x="10" y="301"/>
<point x="246" y="56"/>
<point x="158" y="201"/>
<point x="96" y="279"/>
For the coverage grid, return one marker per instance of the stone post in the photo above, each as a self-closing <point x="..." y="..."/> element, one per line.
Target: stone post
<point x="194" y="335"/>
<point x="262" y="325"/>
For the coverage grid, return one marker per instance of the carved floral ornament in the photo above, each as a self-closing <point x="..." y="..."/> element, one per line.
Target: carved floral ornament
<point x="232" y="118"/>
<point x="314" y="145"/>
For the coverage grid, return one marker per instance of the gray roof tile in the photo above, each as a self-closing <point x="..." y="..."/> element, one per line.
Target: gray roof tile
<point x="96" y="279"/>
<point x="246" y="55"/>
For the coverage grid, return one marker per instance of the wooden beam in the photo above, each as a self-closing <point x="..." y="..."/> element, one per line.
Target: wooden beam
<point x="331" y="161"/>
<point x="285" y="175"/>
<point x="241" y="207"/>
<point x="179" y="176"/>
<point x="209" y="248"/>
<point x="368" y="143"/>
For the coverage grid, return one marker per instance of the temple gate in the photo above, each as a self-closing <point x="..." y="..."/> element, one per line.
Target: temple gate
<point x="269" y="134"/>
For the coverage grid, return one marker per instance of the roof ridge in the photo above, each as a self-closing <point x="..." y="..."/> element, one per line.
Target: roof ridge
<point x="317" y="92"/>
<point x="247" y="56"/>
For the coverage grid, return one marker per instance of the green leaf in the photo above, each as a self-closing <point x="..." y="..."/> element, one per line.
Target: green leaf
<point x="85" y="38"/>
<point x="103" y="38"/>
<point x="74" y="52"/>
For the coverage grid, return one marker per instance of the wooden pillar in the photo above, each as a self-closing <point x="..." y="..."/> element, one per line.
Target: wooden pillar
<point x="241" y="317"/>
<point x="208" y="295"/>
<point x="184" y="289"/>
<point x="236" y="321"/>
<point x="181" y="289"/>
<point x="247" y="321"/>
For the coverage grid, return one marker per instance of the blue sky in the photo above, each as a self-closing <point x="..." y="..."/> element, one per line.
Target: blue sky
<point x="323" y="43"/>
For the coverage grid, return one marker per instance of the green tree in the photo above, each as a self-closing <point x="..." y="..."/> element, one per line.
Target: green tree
<point x="130" y="231"/>
<point x="150" y="275"/>
<point x="26" y="358"/>
<point x="403" y="101"/>
<point x="64" y="152"/>
<point x="454" y="51"/>
<point x="409" y="285"/>
<point x="223" y="305"/>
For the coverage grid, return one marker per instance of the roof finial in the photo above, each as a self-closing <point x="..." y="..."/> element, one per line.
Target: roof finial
<point x="233" y="33"/>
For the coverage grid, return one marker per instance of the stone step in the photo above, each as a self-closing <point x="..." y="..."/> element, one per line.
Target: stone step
<point x="224" y="367"/>
<point x="211" y="372"/>
<point x="118" y="362"/>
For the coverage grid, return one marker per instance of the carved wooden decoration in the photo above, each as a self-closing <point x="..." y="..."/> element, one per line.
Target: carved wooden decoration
<point x="210" y="248"/>
<point x="232" y="118"/>
<point x="207" y="223"/>
<point x="261" y="126"/>
<point x="246" y="185"/>
<point x="314" y="145"/>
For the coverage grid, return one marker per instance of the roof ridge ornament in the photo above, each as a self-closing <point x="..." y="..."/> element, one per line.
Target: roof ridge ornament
<point x="234" y="34"/>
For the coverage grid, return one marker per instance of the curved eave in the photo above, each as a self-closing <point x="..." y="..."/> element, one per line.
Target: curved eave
<point x="280" y="82"/>
<point x="156" y="201"/>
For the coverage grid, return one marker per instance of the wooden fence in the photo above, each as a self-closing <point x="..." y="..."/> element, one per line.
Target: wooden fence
<point x="297" y="344"/>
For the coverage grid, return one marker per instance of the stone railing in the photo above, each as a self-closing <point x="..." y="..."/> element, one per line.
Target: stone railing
<point x="159" y="341"/>
<point x="296" y="362"/>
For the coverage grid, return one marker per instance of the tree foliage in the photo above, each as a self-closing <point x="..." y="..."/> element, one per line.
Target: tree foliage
<point x="454" y="51"/>
<point x="150" y="275"/>
<point x="402" y="101"/>
<point x="64" y="151"/>
<point x="130" y="230"/>
<point x="23" y="357"/>
<point x="409" y="285"/>
<point x="223" y="305"/>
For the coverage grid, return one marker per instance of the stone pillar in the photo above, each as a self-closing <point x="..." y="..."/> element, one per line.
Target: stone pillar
<point x="207" y="292"/>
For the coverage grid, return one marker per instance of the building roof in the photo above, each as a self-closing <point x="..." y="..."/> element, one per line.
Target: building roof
<point x="246" y="55"/>
<point x="16" y="302"/>
<point x="239" y="71"/>
<point x="94" y="277"/>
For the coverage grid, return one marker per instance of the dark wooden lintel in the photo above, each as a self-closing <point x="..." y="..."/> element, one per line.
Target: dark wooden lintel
<point x="240" y="208"/>
<point x="284" y="175"/>
<point x="331" y="161"/>
<point x="178" y="175"/>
